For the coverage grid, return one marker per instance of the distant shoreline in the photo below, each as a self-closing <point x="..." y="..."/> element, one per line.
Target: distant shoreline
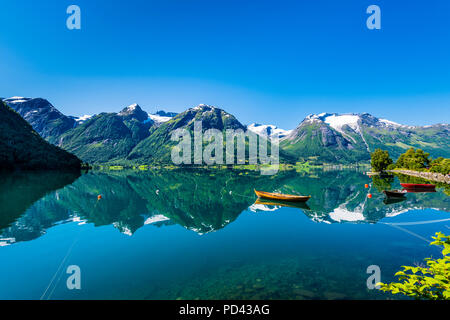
<point x="252" y="167"/>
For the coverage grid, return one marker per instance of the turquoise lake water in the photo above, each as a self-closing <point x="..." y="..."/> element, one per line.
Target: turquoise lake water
<point x="185" y="234"/>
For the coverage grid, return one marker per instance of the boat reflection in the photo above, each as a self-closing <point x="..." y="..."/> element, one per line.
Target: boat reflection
<point x="420" y="190"/>
<point x="280" y="203"/>
<point x="391" y="200"/>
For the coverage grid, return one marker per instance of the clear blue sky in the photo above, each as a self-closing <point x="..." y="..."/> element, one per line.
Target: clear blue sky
<point x="263" y="61"/>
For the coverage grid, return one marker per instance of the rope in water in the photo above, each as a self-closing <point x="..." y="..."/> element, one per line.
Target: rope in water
<point x="57" y="271"/>
<point x="415" y="223"/>
<point x="410" y="232"/>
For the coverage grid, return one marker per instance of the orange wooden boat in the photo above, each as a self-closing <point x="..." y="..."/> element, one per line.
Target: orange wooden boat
<point x="280" y="196"/>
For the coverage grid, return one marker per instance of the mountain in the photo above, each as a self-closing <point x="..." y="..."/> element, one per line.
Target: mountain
<point x="43" y="116"/>
<point x="133" y="111"/>
<point x="133" y="135"/>
<point x="98" y="138"/>
<point x="268" y="130"/>
<point x="157" y="146"/>
<point x="108" y="136"/>
<point x="22" y="147"/>
<point x="347" y="138"/>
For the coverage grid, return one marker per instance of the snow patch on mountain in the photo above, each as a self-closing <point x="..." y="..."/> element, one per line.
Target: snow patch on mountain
<point x="262" y="207"/>
<point x="123" y="229"/>
<point x="161" y="116"/>
<point x="82" y="118"/>
<point x="158" y="119"/>
<point x="132" y="107"/>
<point x="201" y="106"/>
<point x="268" y="130"/>
<point x="342" y="214"/>
<point x="14" y="100"/>
<point x="156" y="218"/>
<point x="338" y="121"/>
<point x="390" y="123"/>
<point x="316" y="117"/>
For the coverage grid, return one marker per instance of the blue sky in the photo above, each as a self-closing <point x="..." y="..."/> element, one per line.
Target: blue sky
<point x="263" y="61"/>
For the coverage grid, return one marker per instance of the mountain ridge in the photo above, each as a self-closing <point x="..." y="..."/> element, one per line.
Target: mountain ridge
<point x="319" y="138"/>
<point x="351" y="137"/>
<point x="22" y="147"/>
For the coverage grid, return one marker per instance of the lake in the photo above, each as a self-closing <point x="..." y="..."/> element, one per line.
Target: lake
<point x="197" y="234"/>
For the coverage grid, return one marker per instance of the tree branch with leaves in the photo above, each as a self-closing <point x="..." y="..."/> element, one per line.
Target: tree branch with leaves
<point x="430" y="282"/>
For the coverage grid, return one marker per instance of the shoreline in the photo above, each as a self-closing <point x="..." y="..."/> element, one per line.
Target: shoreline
<point x="433" y="176"/>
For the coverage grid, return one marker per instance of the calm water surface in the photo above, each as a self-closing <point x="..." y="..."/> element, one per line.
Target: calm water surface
<point x="186" y="234"/>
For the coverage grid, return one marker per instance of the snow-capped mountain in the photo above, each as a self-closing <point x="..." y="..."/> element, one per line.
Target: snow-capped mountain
<point x="45" y="119"/>
<point x="319" y="138"/>
<point x="352" y="120"/>
<point x="157" y="145"/>
<point x="133" y="111"/>
<point x="268" y="130"/>
<point x="334" y="137"/>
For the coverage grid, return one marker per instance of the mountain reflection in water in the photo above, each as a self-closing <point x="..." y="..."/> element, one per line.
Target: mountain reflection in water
<point x="150" y="235"/>
<point x="199" y="200"/>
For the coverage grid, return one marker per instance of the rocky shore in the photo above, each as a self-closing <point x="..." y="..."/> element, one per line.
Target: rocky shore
<point x="438" y="177"/>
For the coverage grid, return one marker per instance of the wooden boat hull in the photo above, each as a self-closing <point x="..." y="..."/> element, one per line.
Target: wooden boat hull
<point x="282" y="197"/>
<point x="395" y="193"/>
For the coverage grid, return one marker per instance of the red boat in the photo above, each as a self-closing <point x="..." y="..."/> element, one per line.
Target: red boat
<point x="421" y="186"/>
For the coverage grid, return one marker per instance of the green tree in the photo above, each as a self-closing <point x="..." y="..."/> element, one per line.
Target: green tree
<point x="380" y="160"/>
<point x="430" y="282"/>
<point x="414" y="159"/>
<point x="440" y="165"/>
